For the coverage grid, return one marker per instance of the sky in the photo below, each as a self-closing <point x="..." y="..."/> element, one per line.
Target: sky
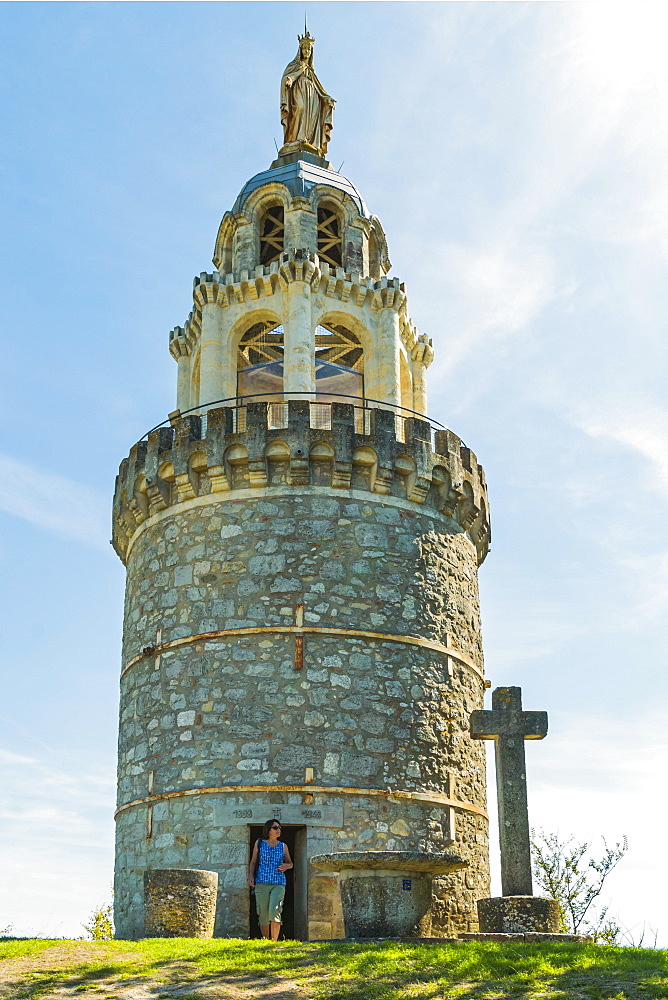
<point x="515" y="154"/>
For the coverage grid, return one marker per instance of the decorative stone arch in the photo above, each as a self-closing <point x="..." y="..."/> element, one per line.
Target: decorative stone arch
<point x="139" y="501"/>
<point x="233" y="362"/>
<point x="222" y="254"/>
<point x="364" y="468"/>
<point x="344" y="204"/>
<point x="248" y="320"/>
<point x="340" y="321"/>
<point x="277" y="454"/>
<point x="379" y="258"/>
<point x="441" y="483"/>
<point x="335" y="317"/>
<point x="238" y="240"/>
<point x="321" y="463"/>
<point x="405" y="472"/>
<point x="373" y="356"/>
<point x="256" y="209"/>
<point x="235" y="461"/>
<point x="334" y="213"/>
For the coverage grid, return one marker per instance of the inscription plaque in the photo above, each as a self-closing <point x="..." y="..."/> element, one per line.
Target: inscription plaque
<point x="256" y="813"/>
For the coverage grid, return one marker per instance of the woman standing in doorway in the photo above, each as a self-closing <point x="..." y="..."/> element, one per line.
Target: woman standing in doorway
<point x="266" y="872"/>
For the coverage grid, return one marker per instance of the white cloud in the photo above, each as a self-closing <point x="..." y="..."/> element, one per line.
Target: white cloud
<point x="539" y="632"/>
<point x="587" y="165"/>
<point x="54" y="503"/>
<point x="640" y="427"/>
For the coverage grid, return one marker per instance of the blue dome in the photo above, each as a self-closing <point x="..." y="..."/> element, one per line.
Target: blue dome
<point x="300" y="177"/>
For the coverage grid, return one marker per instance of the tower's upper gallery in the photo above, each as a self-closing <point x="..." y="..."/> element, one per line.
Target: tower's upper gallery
<point x="301" y="202"/>
<point x="300" y="303"/>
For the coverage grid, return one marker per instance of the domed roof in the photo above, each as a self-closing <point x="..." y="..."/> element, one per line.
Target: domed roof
<point x="300" y="177"/>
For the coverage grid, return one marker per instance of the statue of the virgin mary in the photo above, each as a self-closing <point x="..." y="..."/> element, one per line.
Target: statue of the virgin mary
<point x="306" y="108"/>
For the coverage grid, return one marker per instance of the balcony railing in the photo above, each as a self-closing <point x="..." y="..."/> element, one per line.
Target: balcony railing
<point x="320" y="412"/>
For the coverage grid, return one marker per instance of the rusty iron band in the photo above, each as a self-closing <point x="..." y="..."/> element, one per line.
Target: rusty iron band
<point x="302" y="630"/>
<point x="435" y="797"/>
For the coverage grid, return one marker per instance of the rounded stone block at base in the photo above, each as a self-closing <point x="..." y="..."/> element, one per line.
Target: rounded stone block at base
<point x="387" y="894"/>
<point x="180" y="902"/>
<point x="519" y="914"/>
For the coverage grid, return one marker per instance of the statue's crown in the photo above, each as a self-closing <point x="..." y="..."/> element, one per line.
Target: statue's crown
<point x="306" y="34"/>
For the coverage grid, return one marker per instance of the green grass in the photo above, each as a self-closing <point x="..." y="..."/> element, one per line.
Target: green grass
<point x="467" y="970"/>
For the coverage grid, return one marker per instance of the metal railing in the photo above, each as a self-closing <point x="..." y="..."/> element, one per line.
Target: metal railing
<point x="320" y="412"/>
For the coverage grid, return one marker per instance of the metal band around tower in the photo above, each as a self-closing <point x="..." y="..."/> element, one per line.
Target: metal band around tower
<point x="410" y="640"/>
<point x="436" y="797"/>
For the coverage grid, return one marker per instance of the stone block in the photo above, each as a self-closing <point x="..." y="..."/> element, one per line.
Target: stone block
<point x="180" y="902"/>
<point x="519" y="914"/>
<point x="319" y="930"/>
<point x="324" y="885"/>
<point x="320" y="907"/>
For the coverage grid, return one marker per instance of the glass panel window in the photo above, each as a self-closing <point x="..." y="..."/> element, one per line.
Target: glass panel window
<point x="260" y="363"/>
<point x="335" y="379"/>
<point x="339" y="364"/>
<point x="261" y="382"/>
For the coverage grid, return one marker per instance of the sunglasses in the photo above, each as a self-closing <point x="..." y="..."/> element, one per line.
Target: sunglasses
<point x="275" y="827"/>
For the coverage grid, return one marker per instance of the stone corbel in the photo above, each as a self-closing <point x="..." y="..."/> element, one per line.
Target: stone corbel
<point x="218" y="479"/>
<point x="156" y="501"/>
<point x="179" y="343"/>
<point x="341" y="475"/>
<point x="453" y="498"/>
<point x="299" y="264"/>
<point x="390" y="293"/>
<point x="383" y="480"/>
<point x="422" y="352"/>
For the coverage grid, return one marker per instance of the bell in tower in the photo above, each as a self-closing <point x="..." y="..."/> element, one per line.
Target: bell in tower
<point x="302" y="635"/>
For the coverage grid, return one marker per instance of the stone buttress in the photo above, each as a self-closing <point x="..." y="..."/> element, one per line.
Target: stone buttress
<point x="302" y="634"/>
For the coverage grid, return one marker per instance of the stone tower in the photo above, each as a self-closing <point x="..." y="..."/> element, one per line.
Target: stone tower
<point x="302" y="634"/>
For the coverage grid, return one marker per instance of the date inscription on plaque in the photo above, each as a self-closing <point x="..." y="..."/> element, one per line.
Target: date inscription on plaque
<point x="256" y="813"/>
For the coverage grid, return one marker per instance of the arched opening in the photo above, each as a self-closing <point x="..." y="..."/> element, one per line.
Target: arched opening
<point x="272" y="234"/>
<point x="260" y="362"/>
<point x="339" y="364"/>
<point x="329" y="236"/>
<point x="339" y="371"/>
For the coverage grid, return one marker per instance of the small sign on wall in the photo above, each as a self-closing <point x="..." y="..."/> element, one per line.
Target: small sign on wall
<point x="407" y="883"/>
<point x="256" y="813"/>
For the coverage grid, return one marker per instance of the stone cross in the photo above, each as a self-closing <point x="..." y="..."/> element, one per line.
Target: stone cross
<point x="509" y="727"/>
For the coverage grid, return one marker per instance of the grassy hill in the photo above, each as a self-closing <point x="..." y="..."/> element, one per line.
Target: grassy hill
<point x="231" y="969"/>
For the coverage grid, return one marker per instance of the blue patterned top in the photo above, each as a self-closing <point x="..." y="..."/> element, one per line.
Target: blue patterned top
<point x="270" y="859"/>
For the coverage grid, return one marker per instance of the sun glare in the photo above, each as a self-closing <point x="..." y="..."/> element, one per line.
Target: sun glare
<point x="626" y="42"/>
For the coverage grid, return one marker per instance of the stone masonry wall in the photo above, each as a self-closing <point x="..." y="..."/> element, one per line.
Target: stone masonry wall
<point x="380" y="717"/>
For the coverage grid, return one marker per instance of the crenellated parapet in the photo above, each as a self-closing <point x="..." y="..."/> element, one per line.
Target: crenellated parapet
<point x="246" y="288"/>
<point x="301" y="445"/>
<point x="299" y="265"/>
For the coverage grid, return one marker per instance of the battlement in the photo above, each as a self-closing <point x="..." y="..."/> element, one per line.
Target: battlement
<point x="300" y="264"/>
<point x="248" y="287"/>
<point x="272" y="446"/>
